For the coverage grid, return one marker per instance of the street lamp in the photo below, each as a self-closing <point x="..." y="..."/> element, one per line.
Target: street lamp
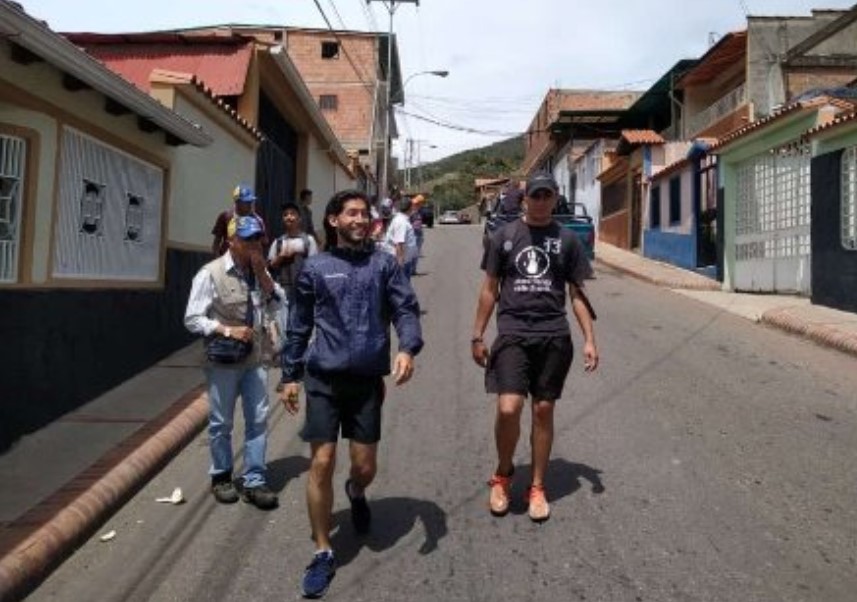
<point x="391" y="6"/>
<point x="409" y="150"/>
<point x="436" y="73"/>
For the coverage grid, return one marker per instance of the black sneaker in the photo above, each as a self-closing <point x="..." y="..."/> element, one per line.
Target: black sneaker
<point x="261" y="497"/>
<point x="318" y="575"/>
<point x="361" y="515"/>
<point x="223" y="489"/>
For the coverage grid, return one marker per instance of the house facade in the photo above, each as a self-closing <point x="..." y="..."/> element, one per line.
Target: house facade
<point x="93" y="281"/>
<point x="258" y="80"/>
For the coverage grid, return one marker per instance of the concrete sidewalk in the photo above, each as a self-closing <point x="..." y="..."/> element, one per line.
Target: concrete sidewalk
<point x="823" y="325"/>
<point x="63" y="482"/>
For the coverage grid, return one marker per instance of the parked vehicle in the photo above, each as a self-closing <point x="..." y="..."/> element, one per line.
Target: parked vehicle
<point x="449" y="217"/>
<point x="575" y="217"/>
<point x="464" y="217"/>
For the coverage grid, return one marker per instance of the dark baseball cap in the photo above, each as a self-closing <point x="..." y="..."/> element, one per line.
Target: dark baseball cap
<point x="541" y="181"/>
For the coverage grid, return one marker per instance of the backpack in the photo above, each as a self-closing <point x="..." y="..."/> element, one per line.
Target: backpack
<point x="304" y="237"/>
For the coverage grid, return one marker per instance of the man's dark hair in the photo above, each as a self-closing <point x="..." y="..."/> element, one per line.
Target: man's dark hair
<point x="305" y="193"/>
<point x="334" y="207"/>
<point x="290" y="205"/>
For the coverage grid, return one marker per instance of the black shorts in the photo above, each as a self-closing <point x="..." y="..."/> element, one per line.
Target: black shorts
<point x="343" y="402"/>
<point x="534" y="365"/>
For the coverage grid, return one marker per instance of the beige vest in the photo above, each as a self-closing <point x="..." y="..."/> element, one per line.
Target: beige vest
<point x="229" y="307"/>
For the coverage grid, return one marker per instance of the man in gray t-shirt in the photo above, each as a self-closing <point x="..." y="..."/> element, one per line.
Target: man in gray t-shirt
<point x="529" y="264"/>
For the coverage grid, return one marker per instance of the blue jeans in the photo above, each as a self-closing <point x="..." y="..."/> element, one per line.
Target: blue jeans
<point x="225" y="383"/>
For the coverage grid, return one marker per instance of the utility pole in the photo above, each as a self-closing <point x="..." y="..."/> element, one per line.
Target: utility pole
<point x="391" y="6"/>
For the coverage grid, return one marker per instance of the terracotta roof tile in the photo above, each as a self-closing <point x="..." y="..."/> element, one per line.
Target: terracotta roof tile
<point x="163" y="75"/>
<point x="835" y="122"/>
<point x="776" y="116"/>
<point x="642" y="137"/>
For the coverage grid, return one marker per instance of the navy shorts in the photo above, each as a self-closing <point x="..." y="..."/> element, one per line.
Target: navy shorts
<point x="343" y="402"/>
<point x="534" y="365"/>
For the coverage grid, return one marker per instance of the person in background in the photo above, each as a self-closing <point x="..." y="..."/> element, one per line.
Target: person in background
<point x="305" y="202"/>
<point x="419" y="227"/>
<point x="285" y="259"/>
<point x="244" y="203"/>
<point x="400" y="240"/>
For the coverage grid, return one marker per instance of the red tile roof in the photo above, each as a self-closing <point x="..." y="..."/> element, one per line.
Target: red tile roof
<point x="812" y="103"/>
<point x="642" y="137"/>
<point x="172" y="77"/>
<point x="221" y="63"/>
<point x="835" y="122"/>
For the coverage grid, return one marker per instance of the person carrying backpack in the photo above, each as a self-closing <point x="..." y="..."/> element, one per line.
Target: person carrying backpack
<point x="285" y="260"/>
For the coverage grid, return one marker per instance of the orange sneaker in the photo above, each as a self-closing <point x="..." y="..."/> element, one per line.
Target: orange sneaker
<point x="498" y="500"/>
<point x="539" y="509"/>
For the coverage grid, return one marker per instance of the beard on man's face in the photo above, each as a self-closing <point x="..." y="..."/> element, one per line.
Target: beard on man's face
<point x="351" y="234"/>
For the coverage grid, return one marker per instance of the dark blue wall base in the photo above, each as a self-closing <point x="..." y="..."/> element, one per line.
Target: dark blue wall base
<point x="61" y="348"/>
<point x="677" y="249"/>
<point x="834" y="269"/>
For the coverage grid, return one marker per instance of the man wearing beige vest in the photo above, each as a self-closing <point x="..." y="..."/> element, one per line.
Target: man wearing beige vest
<point x="231" y="300"/>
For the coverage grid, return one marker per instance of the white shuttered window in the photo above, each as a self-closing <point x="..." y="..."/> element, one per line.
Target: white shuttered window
<point x="109" y="218"/>
<point x="12" y="159"/>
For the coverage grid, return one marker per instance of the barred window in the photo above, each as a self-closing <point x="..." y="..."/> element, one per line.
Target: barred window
<point x="328" y="102"/>
<point x="330" y="50"/>
<point x="12" y="160"/>
<point x="849" y="199"/>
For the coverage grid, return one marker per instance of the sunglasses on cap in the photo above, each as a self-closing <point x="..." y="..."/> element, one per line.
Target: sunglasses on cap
<point x="542" y="195"/>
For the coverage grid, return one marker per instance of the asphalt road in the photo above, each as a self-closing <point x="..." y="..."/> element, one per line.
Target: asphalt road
<point x="708" y="459"/>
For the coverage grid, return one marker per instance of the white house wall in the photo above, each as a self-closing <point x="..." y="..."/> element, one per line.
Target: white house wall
<point x="203" y="178"/>
<point x="587" y="186"/>
<point x="324" y="177"/>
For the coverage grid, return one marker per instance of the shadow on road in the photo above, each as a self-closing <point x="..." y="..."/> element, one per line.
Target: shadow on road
<point x="392" y="519"/>
<point x="563" y="478"/>
<point x="283" y="470"/>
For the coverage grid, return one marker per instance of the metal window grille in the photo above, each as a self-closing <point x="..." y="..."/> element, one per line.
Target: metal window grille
<point x="330" y="50"/>
<point x="12" y="163"/>
<point x="774" y="201"/>
<point x="328" y="102"/>
<point x="134" y="218"/>
<point x="848" y="202"/>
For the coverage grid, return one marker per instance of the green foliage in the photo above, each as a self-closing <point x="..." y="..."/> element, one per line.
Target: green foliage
<point x="449" y="181"/>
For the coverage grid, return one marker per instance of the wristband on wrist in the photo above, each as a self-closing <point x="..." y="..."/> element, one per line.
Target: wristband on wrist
<point x="475" y="340"/>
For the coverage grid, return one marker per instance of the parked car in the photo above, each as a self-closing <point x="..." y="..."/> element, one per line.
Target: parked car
<point x="464" y="217"/>
<point x="573" y="216"/>
<point x="449" y="217"/>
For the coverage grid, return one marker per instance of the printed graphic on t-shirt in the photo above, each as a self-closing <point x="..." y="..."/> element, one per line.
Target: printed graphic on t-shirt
<point x="533" y="265"/>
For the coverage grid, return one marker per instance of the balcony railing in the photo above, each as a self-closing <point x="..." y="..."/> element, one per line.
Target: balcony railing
<point x="717" y="111"/>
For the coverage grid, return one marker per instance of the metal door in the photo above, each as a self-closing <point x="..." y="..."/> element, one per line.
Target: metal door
<point x="772" y="242"/>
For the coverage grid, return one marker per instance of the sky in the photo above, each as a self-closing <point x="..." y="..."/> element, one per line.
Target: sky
<point x="502" y="57"/>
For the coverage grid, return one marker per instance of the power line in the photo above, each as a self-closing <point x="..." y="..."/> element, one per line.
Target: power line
<point x="357" y="71"/>
<point x="456" y="127"/>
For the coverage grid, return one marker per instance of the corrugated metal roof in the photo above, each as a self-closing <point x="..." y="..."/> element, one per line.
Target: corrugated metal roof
<point x="731" y="49"/>
<point x="222" y="64"/>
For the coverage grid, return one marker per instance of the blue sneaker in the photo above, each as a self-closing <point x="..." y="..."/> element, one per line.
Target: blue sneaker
<point x="318" y="575"/>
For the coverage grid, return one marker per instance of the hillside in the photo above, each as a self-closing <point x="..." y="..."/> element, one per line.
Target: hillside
<point x="449" y="181"/>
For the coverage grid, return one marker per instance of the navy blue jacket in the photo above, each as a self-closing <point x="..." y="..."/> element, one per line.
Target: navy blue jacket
<point x="350" y="298"/>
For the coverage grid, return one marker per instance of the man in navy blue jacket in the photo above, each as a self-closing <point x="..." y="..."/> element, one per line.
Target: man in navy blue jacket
<point x="348" y="295"/>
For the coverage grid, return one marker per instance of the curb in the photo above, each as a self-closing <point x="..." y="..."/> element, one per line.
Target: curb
<point x="818" y="333"/>
<point x="51" y="531"/>
<point x="701" y="285"/>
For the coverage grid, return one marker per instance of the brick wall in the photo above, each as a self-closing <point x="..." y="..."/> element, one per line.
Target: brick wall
<point x="352" y="81"/>
<point x="799" y="81"/>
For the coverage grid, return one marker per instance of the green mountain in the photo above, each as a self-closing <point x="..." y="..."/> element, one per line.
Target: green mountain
<point x="449" y="181"/>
